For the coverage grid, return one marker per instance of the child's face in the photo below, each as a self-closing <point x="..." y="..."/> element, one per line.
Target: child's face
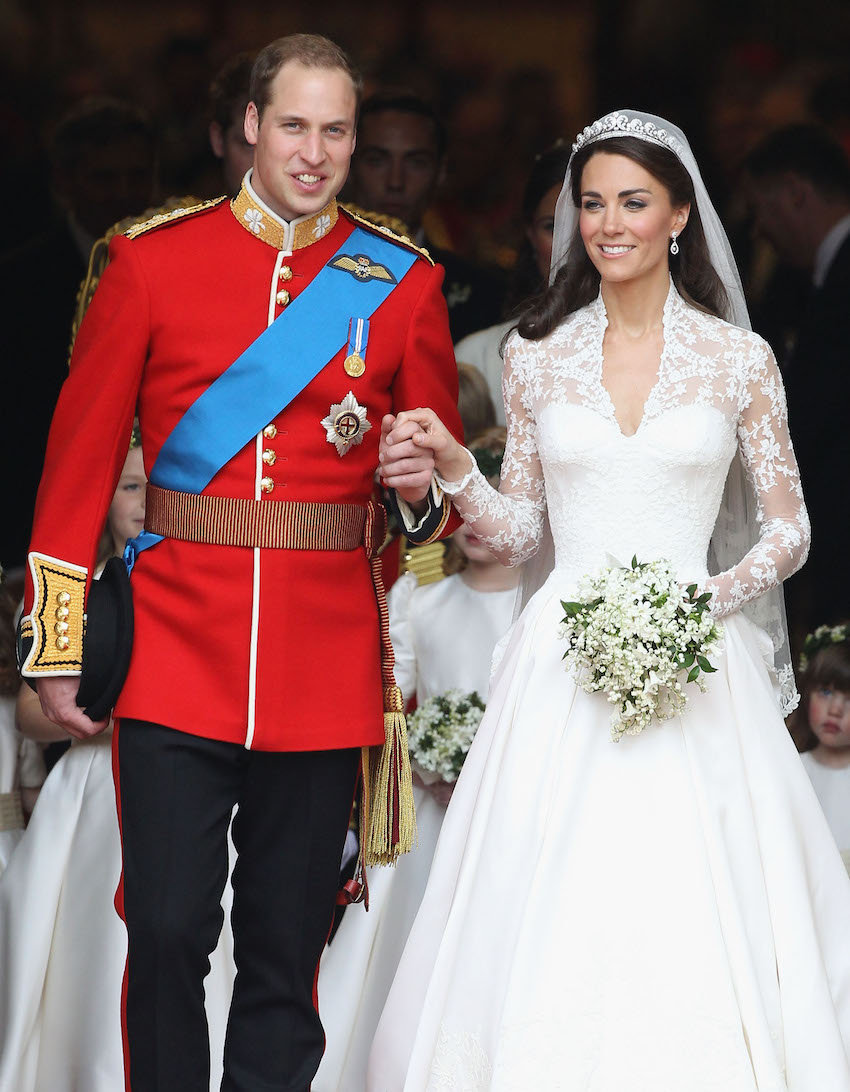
<point x="127" y="512"/>
<point x="472" y="548"/>
<point x="829" y="716"/>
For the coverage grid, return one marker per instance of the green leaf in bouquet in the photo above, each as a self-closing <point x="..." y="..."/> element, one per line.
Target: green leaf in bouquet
<point x="705" y="664"/>
<point x="693" y="673"/>
<point x="704" y="598"/>
<point x="688" y="659"/>
<point x="572" y="609"/>
<point x="691" y="590"/>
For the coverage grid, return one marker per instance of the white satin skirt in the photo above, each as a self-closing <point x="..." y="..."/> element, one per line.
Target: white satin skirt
<point x="664" y="914"/>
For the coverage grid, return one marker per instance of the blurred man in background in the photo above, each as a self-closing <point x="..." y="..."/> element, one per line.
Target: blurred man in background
<point x="396" y="170"/>
<point x="798" y="184"/>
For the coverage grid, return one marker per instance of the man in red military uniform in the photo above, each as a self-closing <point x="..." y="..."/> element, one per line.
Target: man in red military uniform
<point x="256" y="672"/>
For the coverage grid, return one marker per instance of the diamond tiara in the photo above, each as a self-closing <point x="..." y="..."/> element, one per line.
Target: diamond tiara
<point x="613" y="125"/>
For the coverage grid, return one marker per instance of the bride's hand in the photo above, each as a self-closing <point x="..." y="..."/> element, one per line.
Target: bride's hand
<point x="409" y="437"/>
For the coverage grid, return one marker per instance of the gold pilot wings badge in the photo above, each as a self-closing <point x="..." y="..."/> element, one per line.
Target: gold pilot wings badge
<point x="346" y="424"/>
<point x="361" y="267"/>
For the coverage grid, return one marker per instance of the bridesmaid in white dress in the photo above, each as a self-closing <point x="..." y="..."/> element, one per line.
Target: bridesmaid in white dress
<point x="62" y="945"/>
<point x="21" y="761"/>
<point x="821" y="726"/>
<point x="443" y="635"/>
<point x="667" y="913"/>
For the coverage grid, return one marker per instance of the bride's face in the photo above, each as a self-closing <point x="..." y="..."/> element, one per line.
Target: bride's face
<point x="626" y="218"/>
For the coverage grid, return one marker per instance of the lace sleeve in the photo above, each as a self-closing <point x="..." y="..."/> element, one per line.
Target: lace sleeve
<point x="509" y="520"/>
<point x="765" y="446"/>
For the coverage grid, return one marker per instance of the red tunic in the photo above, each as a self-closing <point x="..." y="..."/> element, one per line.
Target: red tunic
<point x="274" y="649"/>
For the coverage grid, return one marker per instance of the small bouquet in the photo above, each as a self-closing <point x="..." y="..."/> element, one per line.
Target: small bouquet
<point x="441" y="729"/>
<point x="632" y="633"/>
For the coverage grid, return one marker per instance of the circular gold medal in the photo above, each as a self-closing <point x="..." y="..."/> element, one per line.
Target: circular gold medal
<point x="354" y="365"/>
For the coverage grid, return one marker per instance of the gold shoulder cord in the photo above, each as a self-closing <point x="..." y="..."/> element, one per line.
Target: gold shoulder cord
<point x="386" y="225"/>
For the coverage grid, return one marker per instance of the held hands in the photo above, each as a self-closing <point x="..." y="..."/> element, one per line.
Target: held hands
<point x="58" y="697"/>
<point x="413" y="444"/>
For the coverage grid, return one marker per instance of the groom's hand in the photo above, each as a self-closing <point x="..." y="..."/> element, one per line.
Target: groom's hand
<point x="415" y="432"/>
<point x="406" y="466"/>
<point x="58" y="697"/>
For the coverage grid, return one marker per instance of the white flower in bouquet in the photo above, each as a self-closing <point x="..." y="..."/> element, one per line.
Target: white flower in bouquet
<point x="632" y="633"/>
<point x="440" y="731"/>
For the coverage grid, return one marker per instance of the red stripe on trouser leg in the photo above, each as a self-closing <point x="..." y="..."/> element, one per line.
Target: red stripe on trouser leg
<point x="119" y="904"/>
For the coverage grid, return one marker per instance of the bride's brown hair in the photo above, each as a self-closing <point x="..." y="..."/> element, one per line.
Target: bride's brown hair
<point x="577" y="282"/>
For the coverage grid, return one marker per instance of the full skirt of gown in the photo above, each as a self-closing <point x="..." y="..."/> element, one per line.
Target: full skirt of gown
<point x="664" y="914"/>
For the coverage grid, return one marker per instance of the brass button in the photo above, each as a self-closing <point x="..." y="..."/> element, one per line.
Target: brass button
<point x="283" y="298"/>
<point x="269" y="457"/>
<point x="62" y="613"/>
<point x="63" y="598"/>
<point x="270" y="431"/>
<point x="267" y="484"/>
<point x="62" y="643"/>
<point x="60" y="628"/>
<point x="285" y="273"/>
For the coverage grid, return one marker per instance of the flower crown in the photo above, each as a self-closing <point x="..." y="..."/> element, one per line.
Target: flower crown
<point x="614" y="125"/>
<point x="823" y="637"/>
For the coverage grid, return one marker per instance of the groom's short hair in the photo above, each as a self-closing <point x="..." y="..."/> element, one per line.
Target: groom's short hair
<point x="311" y="50"/>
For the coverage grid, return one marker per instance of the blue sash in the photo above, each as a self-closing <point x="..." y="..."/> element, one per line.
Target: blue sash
<point x="274" y="369"/>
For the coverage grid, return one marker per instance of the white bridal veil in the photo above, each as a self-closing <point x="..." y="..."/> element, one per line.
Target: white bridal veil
<point x="737" y="528"/>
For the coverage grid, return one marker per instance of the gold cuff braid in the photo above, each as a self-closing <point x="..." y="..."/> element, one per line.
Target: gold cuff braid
<point x="57" y="618"/>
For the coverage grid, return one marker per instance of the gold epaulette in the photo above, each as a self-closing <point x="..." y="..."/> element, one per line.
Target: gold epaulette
<point x="162" y="218"/>
<point x="99" y="257"/>
<point x="377" y="222"/>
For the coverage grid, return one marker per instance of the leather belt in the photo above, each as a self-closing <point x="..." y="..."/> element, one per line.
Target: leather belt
<point x="276" y="525"/>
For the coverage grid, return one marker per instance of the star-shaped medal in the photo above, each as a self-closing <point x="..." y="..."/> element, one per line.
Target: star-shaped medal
<point x="346" y="424"/>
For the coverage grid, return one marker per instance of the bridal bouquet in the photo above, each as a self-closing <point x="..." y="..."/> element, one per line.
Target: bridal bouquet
<point x="632" y="633"/>
<point x="441" y="729"/>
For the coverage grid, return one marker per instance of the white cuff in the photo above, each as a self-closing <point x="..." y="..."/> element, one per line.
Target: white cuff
<point x="435" y="501"/>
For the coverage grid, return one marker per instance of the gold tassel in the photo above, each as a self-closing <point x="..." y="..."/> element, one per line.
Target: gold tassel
<point x="387" y="811"/>
<point x="388" y="815"/>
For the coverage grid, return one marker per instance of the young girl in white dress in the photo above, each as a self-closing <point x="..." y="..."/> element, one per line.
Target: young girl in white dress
<point x="62" y="945"/>
<point x="821" y="725"/>
<point x="21" y="762"/>
<point x="443" y="635"/>
<point x="667" y="913"/>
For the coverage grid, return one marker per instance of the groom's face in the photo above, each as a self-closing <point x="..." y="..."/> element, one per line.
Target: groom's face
<point x="304" y="139"/>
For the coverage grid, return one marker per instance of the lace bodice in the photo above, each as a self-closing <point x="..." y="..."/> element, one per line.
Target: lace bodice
<point x="657" y="492"/>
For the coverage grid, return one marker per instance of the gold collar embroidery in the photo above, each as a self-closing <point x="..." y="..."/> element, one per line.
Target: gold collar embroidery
<point x="257" y="217"/>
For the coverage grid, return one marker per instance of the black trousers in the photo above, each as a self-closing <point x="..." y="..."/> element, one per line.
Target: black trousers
<point x="177" y="792"/>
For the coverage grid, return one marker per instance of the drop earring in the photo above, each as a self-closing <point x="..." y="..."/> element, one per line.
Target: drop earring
<point x="674" y="246"/>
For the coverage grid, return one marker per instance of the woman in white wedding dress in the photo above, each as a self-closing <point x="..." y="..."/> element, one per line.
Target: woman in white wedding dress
<point x="668" y="913"/>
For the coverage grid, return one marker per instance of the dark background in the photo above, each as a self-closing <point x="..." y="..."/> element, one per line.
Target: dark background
<point x="508" y="81"/>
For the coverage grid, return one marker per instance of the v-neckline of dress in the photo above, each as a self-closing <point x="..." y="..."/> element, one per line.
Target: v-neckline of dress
<point x="666" y="326"/>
